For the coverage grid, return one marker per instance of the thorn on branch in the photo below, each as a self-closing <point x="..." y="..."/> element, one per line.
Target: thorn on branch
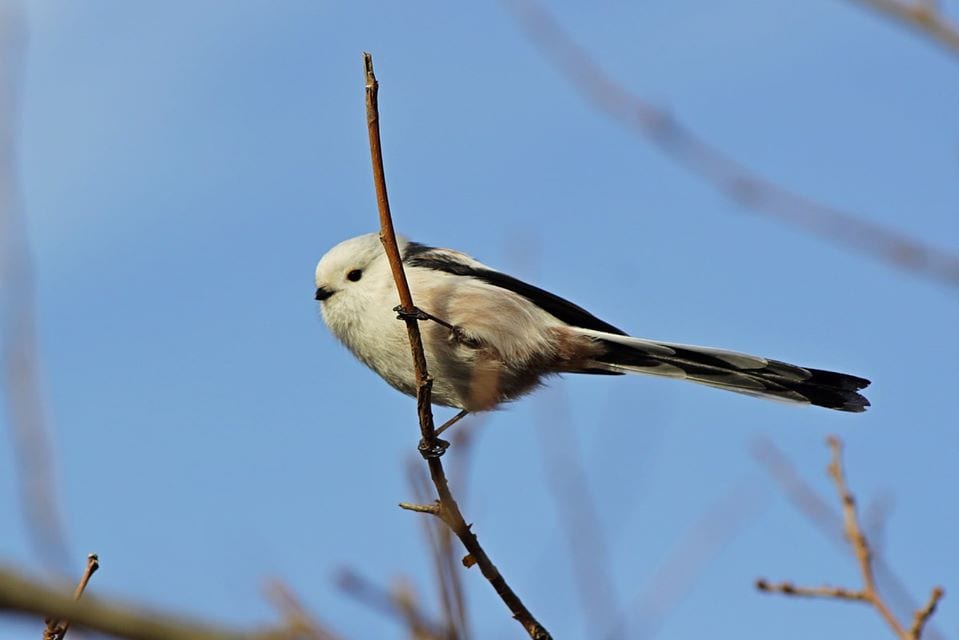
<point x="432" y="509"/>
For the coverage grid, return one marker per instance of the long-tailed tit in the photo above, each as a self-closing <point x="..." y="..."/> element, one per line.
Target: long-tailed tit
<point x="495" y="337"/>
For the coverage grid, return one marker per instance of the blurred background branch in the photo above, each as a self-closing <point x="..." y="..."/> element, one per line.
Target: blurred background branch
<point x="684" y="564"/>
<point x="829" y="522"/>
<point x="20" y="594"/>
<point x="732" y="178"/>
<point x="924" y="16"/>
<point x="22" y="388"/>
<point x="298" y="619"/>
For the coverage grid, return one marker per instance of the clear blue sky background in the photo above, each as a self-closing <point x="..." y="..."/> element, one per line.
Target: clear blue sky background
<point x="183" y="166"/>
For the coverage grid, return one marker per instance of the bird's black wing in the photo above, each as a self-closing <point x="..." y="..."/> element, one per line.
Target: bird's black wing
<point x="419" y="255"/>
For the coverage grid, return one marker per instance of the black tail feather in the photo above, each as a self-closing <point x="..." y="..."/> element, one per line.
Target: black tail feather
<point x="770" y="378"/>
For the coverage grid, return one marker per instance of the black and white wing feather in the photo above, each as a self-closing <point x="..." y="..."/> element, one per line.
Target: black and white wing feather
<point x="621" y="353"/>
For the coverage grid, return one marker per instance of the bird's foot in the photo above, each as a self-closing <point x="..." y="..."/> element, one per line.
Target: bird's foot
<point x="433" y="449"/>
<point x="402" y="313"/>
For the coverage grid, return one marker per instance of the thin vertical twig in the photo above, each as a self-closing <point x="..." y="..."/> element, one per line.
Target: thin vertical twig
<point x="430" y="446"/>
<point x="857" y="538"/>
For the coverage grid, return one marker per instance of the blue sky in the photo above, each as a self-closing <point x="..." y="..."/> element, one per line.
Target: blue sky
<point x="184" y="165"/>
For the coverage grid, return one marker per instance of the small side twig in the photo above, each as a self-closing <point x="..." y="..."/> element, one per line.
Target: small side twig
<point x="789" y="589"/>
<point x="921" y="617"/>
<point x="432" y="509"/>
<point x="430" y="446"/>
<point x="57" y="629"/>
<point x="868" y="593"/>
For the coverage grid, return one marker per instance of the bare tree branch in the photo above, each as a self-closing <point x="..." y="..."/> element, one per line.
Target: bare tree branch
<point x="430" y="446"/>
<point x="809" y="502"/>
<point x="733" y="179"/>
<point x="868" y="593"/>
<point x="789" y="589"/>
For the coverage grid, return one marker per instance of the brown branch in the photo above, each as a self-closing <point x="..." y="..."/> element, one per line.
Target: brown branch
<point x="731" y="178"/>
<point x="857" y="538"/>
<point x="57" y="629"/>
<point x="854" y="535"/>
<point x="811" y="504"/>
<point x="20" y="594"/>
<point x="430" y="446"/>
<point x="923" y="16"/>
<point x="789" y="589"/>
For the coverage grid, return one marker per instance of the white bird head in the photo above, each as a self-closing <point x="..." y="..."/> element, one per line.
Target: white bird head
<point x="342" y="269"/>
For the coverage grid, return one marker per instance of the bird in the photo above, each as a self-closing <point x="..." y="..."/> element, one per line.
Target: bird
<point x="494" y="338"/>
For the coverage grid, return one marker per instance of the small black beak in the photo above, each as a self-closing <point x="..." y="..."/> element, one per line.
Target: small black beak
<point x="322" y="293"/>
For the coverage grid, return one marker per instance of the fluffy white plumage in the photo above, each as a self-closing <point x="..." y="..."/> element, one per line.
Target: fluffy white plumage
<point x="509" y="335"/>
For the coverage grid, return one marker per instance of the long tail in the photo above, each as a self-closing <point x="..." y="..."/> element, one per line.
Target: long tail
<point x="730" y="370"/>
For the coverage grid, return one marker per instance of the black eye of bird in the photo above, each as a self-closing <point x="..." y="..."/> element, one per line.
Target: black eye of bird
<point x="354" y="275"/>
